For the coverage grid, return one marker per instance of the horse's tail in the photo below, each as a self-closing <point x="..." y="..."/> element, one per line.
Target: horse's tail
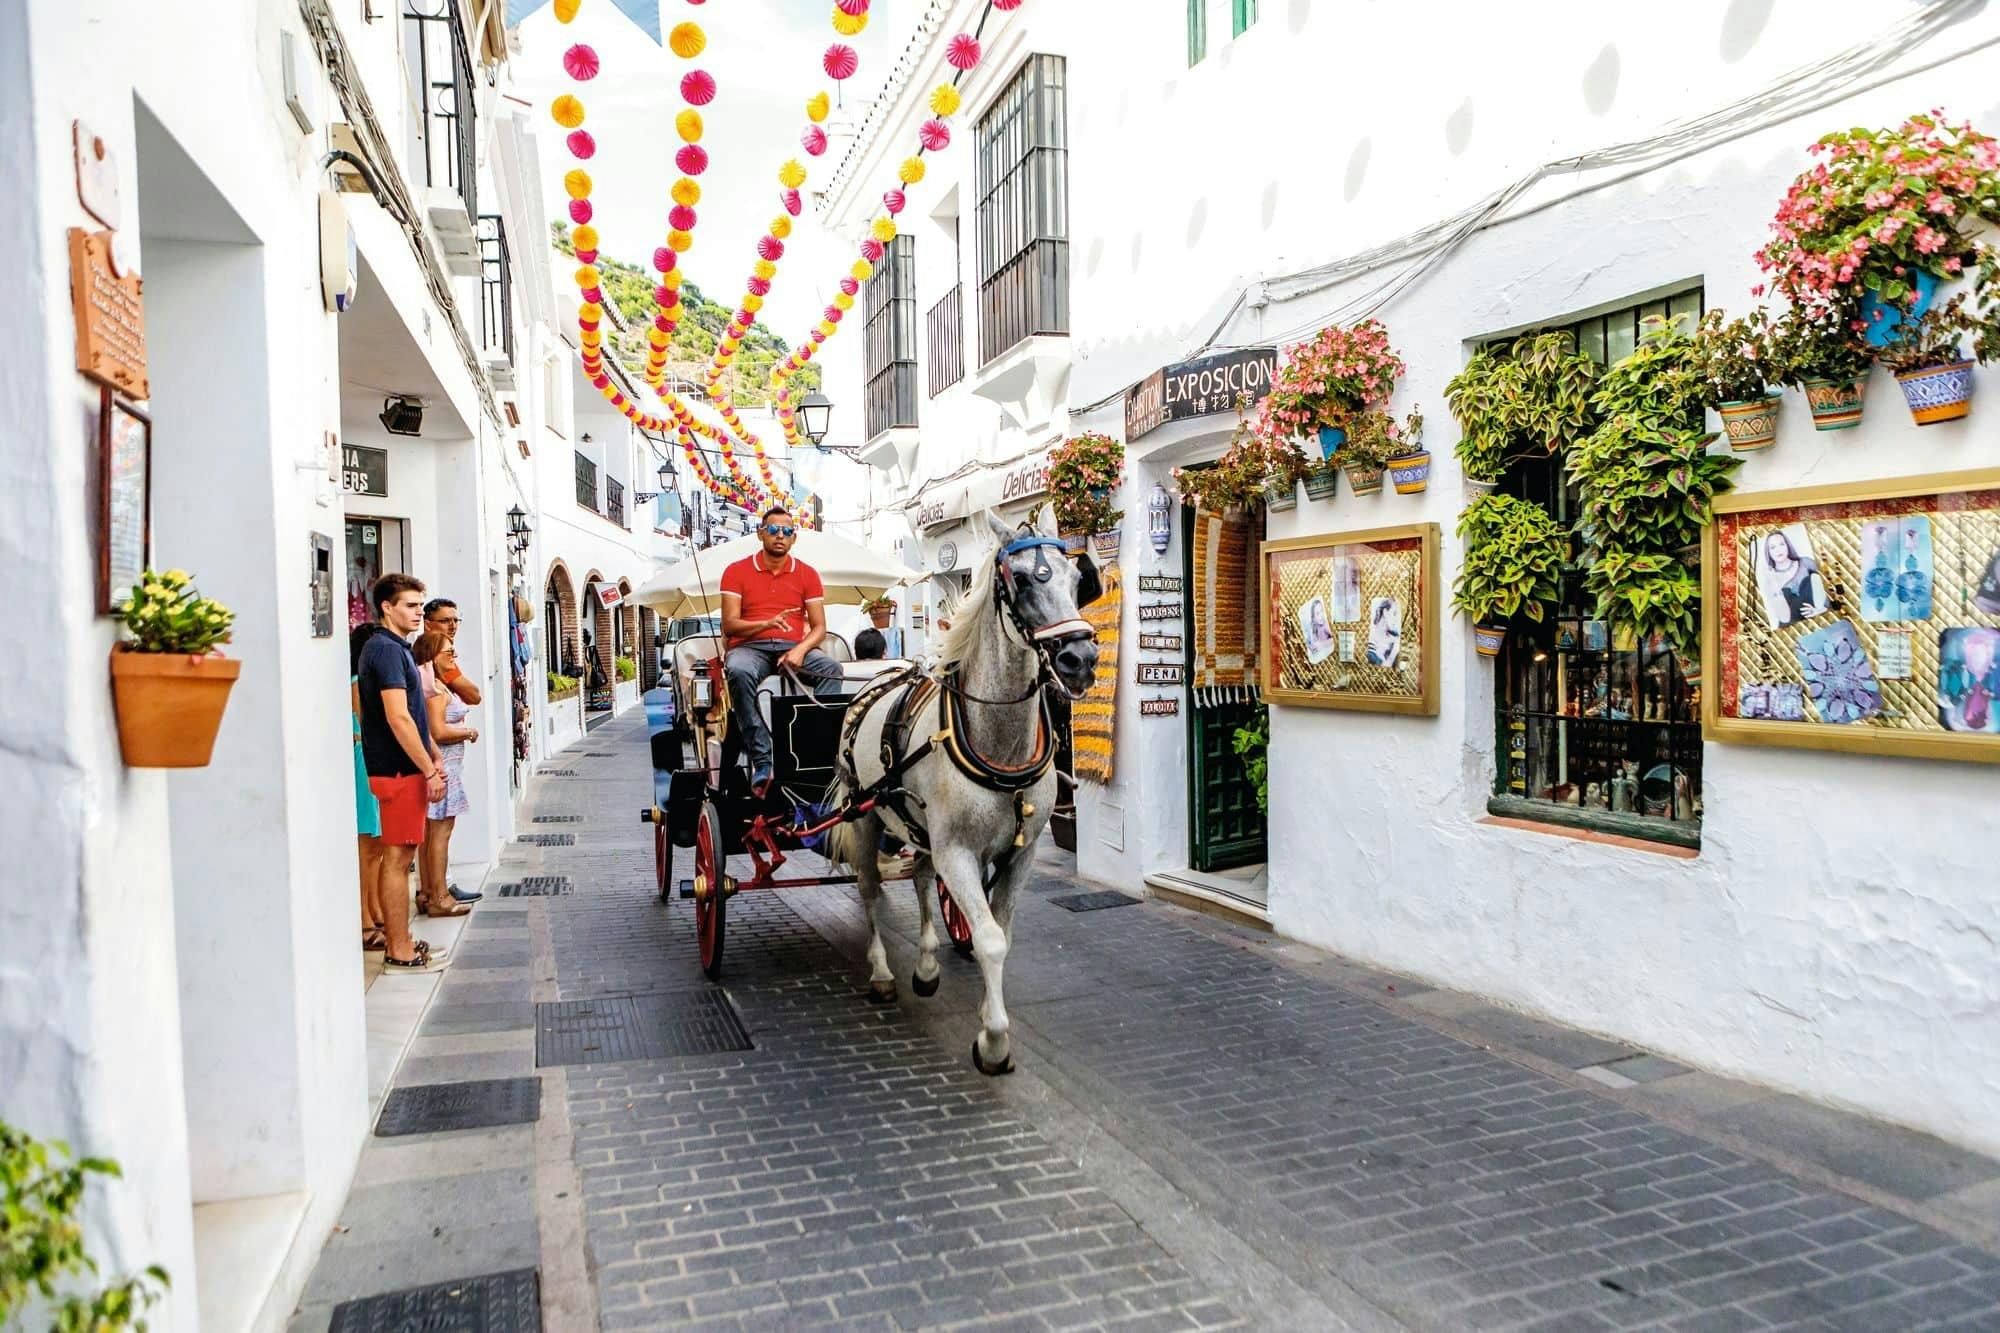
<point x="840" y="839"/>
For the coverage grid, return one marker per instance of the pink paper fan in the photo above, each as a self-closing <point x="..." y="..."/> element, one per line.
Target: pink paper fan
<point x="818" y="337"/>
<point x="1002" y="5"/>
<point x="893" y="200"/>
<point x="698" y="87"/>
<point x="934" y="135"/>
<point x="962" y="52"/>
<point x="692" y="159"/>
<point x="770" y="247"/>
<point x="580" y="63"/>
<point x="744" y="319"/>
<point x="579" y="211"/>
<point x="586" y="256"/>
<point x="871" y="250"/>
<point x="594" y="295"/>
<point x="758" y="286"/>
<point x="840" y="61"/>
<point x="681" y="218"/>
<point x="663" y="259"/>
<point x="791" y="202"/>
<point x="663" y="296"/>
<point x="856" y="8"/>
<point x="833" y="314"/>
<point x="813" y="140"/>
<point x="848" y="286"/>
<point x="581" y="144"/>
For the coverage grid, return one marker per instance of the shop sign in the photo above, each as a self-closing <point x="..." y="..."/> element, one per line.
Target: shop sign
<point x="110" y="314"/>
<point x="1199" y="388"/>
<point x="608" y="595"/>
<point x="1159" y="643"/>
<point x="364" y="471"/>
<point x="1161" y="673"/>
<point x="1160" y="583"/>
<point x="947" y="555"/>
<point x="1167" y="705"/>
<point x="987" y="488"/>
<point x="1159" y="610"/>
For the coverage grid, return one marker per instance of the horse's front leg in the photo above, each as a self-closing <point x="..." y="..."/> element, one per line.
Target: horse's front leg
<point x="923" y="876"/>
<point x="866" y="834"/>
<point x="990" y="1049"/>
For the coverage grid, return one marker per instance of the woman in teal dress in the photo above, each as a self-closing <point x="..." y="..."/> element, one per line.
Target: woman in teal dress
<point x="367" y="815"/>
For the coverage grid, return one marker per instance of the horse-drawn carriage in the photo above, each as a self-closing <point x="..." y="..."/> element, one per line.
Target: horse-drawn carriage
<point x="909" y="770"/>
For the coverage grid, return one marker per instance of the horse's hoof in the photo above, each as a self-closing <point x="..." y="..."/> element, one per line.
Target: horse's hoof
<point x="1006" y="1065"/>
<point x="925" y="988"/>
<point x="882" y="992"/>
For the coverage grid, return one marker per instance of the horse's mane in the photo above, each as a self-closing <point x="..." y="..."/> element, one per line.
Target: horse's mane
<point x="966" y="611"/>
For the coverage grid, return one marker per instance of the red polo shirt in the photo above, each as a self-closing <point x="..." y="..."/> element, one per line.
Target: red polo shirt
<point x="771" y="592"/>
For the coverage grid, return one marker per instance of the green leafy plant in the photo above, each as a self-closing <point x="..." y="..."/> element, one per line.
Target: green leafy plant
<point x="1814" y="344"/>
<point x="1731" y="358"/>
<point x="1527" y="398"/>
<point x="1328" y="378"/>
<point x="625" y="667"/>
<point x="1930" y="341"/>
<point x="875" y="604"/>
<point x="1253" y="742"/>
<point x="41" y="1242"/>
<point x="165" y="615"/>
<point x="1251" y="462"/>
<point x="1372" y="440"/>
<point x="1083" y="472"/>
<point x="1515" y="552"/>
<point x="1654" y="593"/>
<point x="561" y="686"/>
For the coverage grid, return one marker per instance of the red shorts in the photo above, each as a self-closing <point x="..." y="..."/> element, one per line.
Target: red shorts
<point x="404" y="806"/>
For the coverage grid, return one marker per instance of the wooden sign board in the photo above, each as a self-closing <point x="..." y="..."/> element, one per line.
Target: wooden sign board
<point x="110" y="316"/>
<point x="1159" y="610"/>
<point x="1160" y="643"/>
<point x="1160" y="583"/>
<point x="1165" y="706"/>
<point x="1161" y="673"/>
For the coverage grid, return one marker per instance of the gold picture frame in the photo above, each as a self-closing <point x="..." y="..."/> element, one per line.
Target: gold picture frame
<point x="1377" y="589"/>
<point x="1765" y="642"/>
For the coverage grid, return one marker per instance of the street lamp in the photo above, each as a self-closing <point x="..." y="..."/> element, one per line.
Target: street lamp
<point x="517" y="521"/>
<point x="815" y="412"/>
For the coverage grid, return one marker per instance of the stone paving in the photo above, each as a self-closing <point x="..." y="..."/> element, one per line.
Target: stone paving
<point x="1209" y="1127"/>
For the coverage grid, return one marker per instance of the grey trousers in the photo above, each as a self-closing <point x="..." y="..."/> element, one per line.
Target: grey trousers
<point x="749" y="665"/>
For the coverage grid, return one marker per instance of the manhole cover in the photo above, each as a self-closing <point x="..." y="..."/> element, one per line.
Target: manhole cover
<point x="558" y="772"/>
<point x="432" y="1108"/>
<point x="535" y="886"/>
<point x="1091" y="902"/>
<point x="637" y="1027"/>
<point x="558" y="819"/>
<point x="494" y="1303"/>
<point x="548" y="839"/>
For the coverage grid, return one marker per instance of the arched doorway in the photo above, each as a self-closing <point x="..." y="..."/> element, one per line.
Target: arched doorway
<point x="628" y="625"/>
<point x="559" y="637"/>
<point x="649" y="649"/>
<point x="600" y="634"/>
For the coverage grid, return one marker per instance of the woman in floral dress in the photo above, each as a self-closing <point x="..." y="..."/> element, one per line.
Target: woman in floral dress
<point x="448" y="729"/>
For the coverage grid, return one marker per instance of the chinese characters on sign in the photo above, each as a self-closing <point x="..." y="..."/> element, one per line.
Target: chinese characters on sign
<point x="1198" y="388"/>
<point x="364" y="471"/>
<point x="110" y="316"/>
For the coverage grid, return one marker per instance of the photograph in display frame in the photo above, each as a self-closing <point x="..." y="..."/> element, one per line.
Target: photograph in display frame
<point x="1889" y="643"/>
<point x="124" y="488"/>
<point x="1350" y="620"/>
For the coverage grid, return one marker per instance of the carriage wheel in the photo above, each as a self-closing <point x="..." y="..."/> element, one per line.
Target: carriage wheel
<point x="955" y="925"/>
<point x="663" y="856"/>
<point x="710" y="903"/>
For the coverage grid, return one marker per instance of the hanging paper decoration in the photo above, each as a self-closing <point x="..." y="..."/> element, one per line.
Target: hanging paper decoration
<point x="567" y="110"/>
<point x="893" y="200"/>
<point x="817" y="106"/>
<point x="911" y="171"/>
<point x="577" y="183"/>
<point x="566" y="10"/>
<point x="698" y="87"/>
<point x="854" y="8"/>
<point x="1002" y="5"/>
<point x="688" y="125"/>
<point x="944" y="100"/>
<point x="840" y="61"/>
<point x="847" y="24"/>
<point x="791" y="201"/>
<point x="579" y="210"/>
<point x="813" y="140"/>
<point x="580" y="63"/>
<point x="962" y="51"/>
<point x="934" y="135"/>
<point x="687" y="40"/>
<point x="581" y="144"/>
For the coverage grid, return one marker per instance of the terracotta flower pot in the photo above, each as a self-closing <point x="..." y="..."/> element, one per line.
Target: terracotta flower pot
<point x="1938" y="393"/>
<point x="1836" y="404"/>
<point x="880" y="619"/>
<point x="170" y="706"/>
<point x="1751" y="425"/>
<point x="1363" y="478"/>
<point x="1411" y="472"/>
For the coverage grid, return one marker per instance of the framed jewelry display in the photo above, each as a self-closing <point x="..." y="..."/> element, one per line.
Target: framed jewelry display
<point x="124" y="488"/>
<point x="1350" y="620"/>
<point x="1861" y="617"/>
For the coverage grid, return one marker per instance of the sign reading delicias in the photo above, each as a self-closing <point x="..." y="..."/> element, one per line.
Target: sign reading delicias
<point x="1198" y="388"/>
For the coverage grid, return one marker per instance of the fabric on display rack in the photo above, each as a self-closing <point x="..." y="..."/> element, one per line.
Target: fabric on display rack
<point x="1225" y="608"/>
<point x="1093" y="718"/>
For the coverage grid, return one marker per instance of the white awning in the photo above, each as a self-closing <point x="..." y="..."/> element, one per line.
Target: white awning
<point x="1003" y="487"/>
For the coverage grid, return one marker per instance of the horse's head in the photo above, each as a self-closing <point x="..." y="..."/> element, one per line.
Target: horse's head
<point x="1042" y="591"/>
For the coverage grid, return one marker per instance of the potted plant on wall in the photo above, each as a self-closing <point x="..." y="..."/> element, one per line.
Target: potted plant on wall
<point x="1930" y="365"/>
<point x="561" y="687"/>
<point x="169" y="682"/>
<point x="1364" y="456"/>
<point x="1326" y="381"/>
<point x="1825" y="359"/>
<point x="1736" y="372"/>
<point x="1530" y="397"/>
<point x="1410" y="465"/>
<point x="1084" y="471"/>
<point x="1252" y="468"/>
<point x="1514" y="557"/>
<point x="880" y="611"/>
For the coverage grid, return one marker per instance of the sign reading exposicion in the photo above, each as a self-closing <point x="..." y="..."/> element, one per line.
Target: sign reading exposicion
<point x="1199" y="388"/>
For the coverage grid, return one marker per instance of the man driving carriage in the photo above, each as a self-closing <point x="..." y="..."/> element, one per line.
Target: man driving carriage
<point x="774" y="617"/>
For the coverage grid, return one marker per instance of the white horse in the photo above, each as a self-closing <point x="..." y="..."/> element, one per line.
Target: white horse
<point x="959" y="760"/>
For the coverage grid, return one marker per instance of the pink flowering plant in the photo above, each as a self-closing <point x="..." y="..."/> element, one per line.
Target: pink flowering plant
<point x="1329" y="379"/>
<point x="1880" y="207"/>
<point x="1083" y="472"/>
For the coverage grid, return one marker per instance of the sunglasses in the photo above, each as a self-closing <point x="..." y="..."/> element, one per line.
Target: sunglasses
<point x="777" y="531"/>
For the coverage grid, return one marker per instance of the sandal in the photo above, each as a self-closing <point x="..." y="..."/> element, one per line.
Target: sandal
<point x="374" y="940"/>
<point x="455" y="909"/>
<point x="425" y="960"/>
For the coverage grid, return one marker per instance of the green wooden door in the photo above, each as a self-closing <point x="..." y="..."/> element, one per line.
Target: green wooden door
<point x="1226" y="829"/>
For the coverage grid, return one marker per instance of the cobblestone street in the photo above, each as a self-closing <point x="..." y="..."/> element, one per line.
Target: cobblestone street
<point x="1208" y="1127"/>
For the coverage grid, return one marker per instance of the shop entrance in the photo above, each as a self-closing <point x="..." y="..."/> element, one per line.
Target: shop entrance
<point x="1225" y="827"/>
<point x="375" y="547"/>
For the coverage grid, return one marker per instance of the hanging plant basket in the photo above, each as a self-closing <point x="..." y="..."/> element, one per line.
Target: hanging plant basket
<point x="1104" y="545"/>
<point x="1075" y="543"/>
<point x="170" y="706"/>
<point x="1486" y="639"/>
<point x="1752" y="425"/>
<point x="1280" y="495"/>
<point x="1411" y="472"/>
<point x="1938" y="393"/>
<point x="1322" y="481"/>
<point x="1836" y="404"/>
<point x="1363" y="478"/>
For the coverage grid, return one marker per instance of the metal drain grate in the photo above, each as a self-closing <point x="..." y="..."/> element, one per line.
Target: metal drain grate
<point x="558" y="819"/>
<point x="548" y="839"/>
<point x="558" y="772"/>
<point x="600" y="754"/>
<point x="535" y="886"/>
<point x="637" y="1027"/>
<point x="494" y="1303"/>
<point x="1093" y="902"/>
<point x="432" y="1108"/>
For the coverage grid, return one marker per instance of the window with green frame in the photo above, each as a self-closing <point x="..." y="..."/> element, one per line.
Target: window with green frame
<point x="1242" y="13"/>
<point x="1197" y="25"/>
<point x="1588" y="720"/>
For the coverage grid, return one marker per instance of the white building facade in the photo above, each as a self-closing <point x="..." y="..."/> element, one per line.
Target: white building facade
<point x="1233" y="176"/>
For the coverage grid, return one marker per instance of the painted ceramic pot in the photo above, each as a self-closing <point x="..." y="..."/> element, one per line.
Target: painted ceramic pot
<point x="1330" y="440"/>
<point x="1104" y="545"/>
<point x="1321" y="482"/>
<point x="1486" y="639"/>
<point x="1752" y="425"/>
<point x="1836" y="404"/>
<point x="1941" y="393"/>
<point x="1363" y="478"/>
<point x="1074" y="543"/>
<point x="1475" y="488"/>
<point x="1411" y="472"/>
<point x="1280" y="495"/>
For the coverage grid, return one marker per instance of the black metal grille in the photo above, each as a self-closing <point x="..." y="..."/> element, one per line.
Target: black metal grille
<point x="637" y="1027"/>
<point x="890" y="348"/>
<point x="1094" y="902"/>
<point x="1023" y="222"/>
<point x="614" y="500"/>
<point x="536" y="886"/>
<point x="442" y="75"/>
<point x="496" y="286"/>
<point x="586" y="483"/>
<point x="945" y="329"/>
<point x="548" y="839"/>
<point x="491" y="1303"/>
<point x="433" y="1108"/>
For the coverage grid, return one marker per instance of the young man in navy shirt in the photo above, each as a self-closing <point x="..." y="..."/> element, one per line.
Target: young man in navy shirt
<point x="405" y="771"/>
